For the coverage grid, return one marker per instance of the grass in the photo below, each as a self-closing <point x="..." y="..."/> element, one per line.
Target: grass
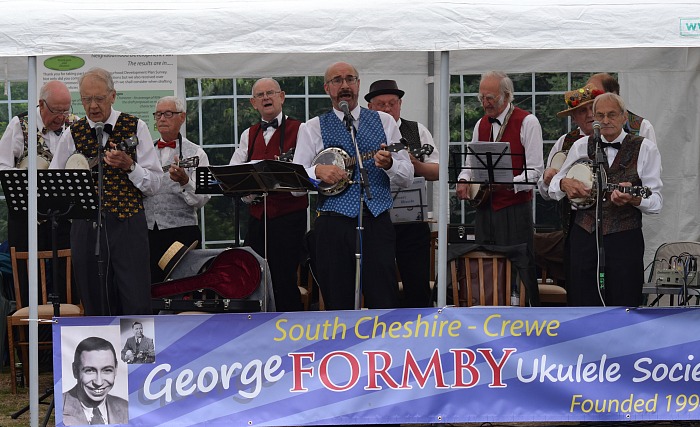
<point x="11" y="403"/>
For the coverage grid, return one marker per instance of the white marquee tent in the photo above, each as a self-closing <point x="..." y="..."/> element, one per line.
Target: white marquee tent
<point x="654" y="46"/>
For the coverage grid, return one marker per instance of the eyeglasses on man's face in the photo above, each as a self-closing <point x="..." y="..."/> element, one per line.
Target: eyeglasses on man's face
<point x="610" y="116"/>
<point x="488" y="98"/>
<point x="56" y="112"/>
<point x="87" y="100"/>
<point x="337" y="81"/>
<point x="167" y="114"/>
<point x="268" y="94"/>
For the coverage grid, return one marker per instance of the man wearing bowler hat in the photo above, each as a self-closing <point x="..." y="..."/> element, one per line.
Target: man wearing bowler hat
<point x="412" y="238"/>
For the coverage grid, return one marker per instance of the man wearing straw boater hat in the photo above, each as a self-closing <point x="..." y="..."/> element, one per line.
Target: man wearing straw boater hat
<point x="412" y="238"/>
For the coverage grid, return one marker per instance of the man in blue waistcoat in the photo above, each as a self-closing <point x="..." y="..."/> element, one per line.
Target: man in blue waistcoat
<point x="345" y="202"/>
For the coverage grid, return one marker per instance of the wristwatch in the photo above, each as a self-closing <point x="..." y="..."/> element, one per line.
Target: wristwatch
<point x="132" y="167"/>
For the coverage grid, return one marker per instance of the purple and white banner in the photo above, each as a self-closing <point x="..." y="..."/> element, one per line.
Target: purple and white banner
<point x="451" y="365"/>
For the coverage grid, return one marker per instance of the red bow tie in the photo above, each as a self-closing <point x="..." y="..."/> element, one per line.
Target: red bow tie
<point x="163" y="144"/>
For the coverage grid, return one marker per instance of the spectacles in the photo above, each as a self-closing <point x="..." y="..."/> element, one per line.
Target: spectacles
<point x="87" y="100"/>
<point x="167" y="114"/>
<point x="268" y="94"/>
<point x="58" y="113"/>
<point x="611" y="115"/>
<point x="489" y="98"/>
<point x="337" y="81"/>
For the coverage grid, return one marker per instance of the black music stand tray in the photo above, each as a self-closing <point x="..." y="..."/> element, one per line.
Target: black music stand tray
<point x="60" y="193"/>
<point x="265" y="176"/>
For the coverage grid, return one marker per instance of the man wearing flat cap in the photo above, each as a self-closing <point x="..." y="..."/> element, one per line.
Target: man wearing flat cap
<point x="412" y="238"/>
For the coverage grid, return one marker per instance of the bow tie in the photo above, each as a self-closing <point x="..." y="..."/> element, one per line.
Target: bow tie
<point x="494" y="120"/>
<point x="163" y="144"/>
<point x="615" y="145"/>
<point x="266" y="125"/>
<point x="46" y="130"/>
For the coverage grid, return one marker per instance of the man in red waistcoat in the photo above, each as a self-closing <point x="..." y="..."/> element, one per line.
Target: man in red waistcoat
<point x="274" y="136"/>
<point x="506" y="219"/>
<point x="631" y="160"/>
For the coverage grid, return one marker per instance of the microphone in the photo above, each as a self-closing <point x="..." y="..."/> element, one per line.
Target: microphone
<point x="99" y="127"/>
<point x="596" y="131"/>
<point x="344" y="107"/>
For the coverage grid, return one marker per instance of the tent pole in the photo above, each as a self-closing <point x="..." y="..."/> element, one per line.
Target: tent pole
<point x="33" y="247"/>
<point x="444" y="196"/>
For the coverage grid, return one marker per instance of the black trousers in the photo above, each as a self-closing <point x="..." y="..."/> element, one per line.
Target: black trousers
<point x="335" y="261"/>
<point x="160" y="240"/>
<point x="624" y="269"/>
<point x="285" y="235"/>
<point x="512" y="225"/>
<point x="125" y="287"/>
<point x="413" y="261"/>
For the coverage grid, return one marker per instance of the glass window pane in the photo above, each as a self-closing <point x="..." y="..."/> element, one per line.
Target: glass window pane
<point x="219" y="156"/>
<point x="295" y="108"/>
<point x="219" y="218"/>
<point x="455" y="85"/>
<point x="192" y="124"/>
<point x="546" y="107"/>
<point x="247" y="115"/>
<point x="292" y="85"/>
<point x="318" y="106"/>
<point x="191" y="88"/>
<point x="524" y="102"/>
<point x="19" y="90"/>
<point x="3" y="97"/>
<point x="217" y="121"/>
<point x="316" y="85"/>
<point x="471" y="83"/>
<point x="244" y="87"/>
<point x="19" y="108"/>
<point x="213" y="87"/>
<point x="550" y="82"/>
<point x="522" y="82"/>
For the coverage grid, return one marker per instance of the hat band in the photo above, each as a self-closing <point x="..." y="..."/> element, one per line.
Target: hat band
<point x="169" y="260"/>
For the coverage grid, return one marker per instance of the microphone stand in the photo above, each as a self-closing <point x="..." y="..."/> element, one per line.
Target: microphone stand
<point x="100" y="226"/>
<point x="366" y="191"/>
<point x="600" y="197"/>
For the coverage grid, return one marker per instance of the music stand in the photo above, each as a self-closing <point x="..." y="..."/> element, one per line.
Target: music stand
<point x="68" y="193"/>
<point x="262" y="177"/>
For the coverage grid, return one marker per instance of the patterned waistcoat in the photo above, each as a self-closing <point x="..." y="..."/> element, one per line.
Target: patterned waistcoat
<point x="370" y="135"/>
<point x="121" y="197"/>
<point x="40" y="141"/>
<point x="623" y="169"/>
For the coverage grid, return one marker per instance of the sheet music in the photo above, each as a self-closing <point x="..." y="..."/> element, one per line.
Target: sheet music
<point x="477" y="160"/>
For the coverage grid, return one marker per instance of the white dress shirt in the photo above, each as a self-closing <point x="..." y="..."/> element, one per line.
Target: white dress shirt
<point x="648" y="169"/>
<point x="12" y="141"/>
<point x="310" y="143"/>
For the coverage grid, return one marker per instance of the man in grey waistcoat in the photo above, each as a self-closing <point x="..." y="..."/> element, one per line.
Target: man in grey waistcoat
<point x="172" y="212"/>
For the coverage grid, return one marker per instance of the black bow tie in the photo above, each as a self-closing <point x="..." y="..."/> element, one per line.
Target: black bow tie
<point x="57" y="131"/>
<point x="106" y="129"/>
<point x="494" y="120"/>
<point x="266" y="125"/>
<point x="615" y="145"/>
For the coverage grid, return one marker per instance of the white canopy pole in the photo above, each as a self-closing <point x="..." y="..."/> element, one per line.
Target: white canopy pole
<point x="32" y="240"/>
<point x="444" y="198"/>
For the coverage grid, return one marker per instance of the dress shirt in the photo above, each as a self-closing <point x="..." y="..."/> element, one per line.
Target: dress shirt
<point x="647" y="130"/>
<point x="426" y="139"/>
<point x="12" y="141"/>
<point x="310" y="143"/>
<point x="103" y="410"/>
<point x="648" y="169"/>
<point x="147" y="175"/>
<point x="541" y="186"/>
<point x="167" y="157"/>
<point x="531" y="139"/>
<point x="240" y="156"/>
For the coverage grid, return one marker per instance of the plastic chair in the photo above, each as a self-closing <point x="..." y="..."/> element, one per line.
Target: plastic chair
<point x="19" y="319"/>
